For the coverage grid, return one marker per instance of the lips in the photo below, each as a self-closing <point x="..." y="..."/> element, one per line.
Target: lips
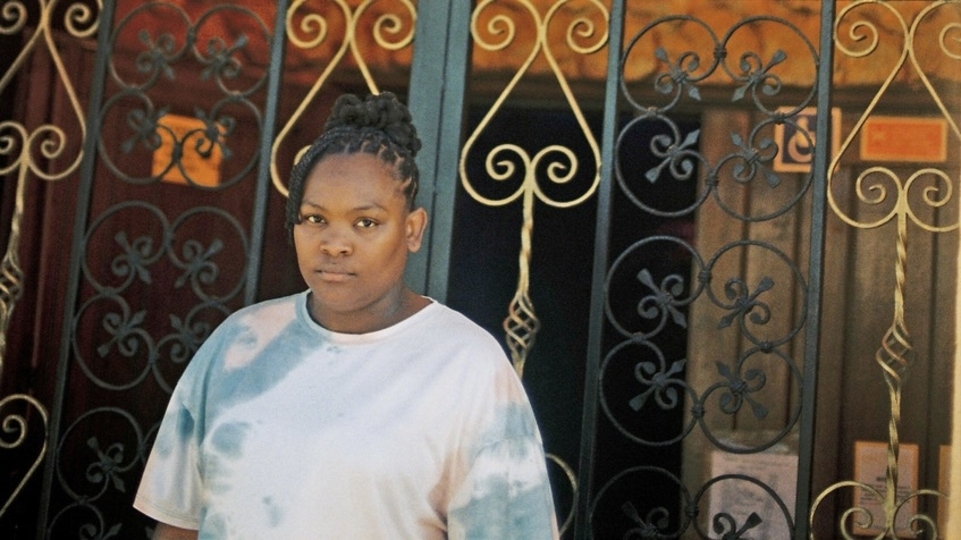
<point x="334" y="275"/>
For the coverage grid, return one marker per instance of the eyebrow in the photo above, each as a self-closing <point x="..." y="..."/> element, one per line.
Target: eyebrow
<point x="363" y="208"/>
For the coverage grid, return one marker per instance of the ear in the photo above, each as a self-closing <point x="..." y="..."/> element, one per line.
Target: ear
<point x="415" y="224"/>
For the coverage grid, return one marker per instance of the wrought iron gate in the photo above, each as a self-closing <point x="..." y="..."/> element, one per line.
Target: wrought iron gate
<point x="679" y="312"/>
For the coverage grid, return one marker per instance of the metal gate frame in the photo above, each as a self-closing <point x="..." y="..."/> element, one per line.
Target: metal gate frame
<point x="441" y="53"/>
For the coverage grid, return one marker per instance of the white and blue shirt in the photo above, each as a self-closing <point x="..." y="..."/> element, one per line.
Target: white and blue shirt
<point x="280" y="428"/>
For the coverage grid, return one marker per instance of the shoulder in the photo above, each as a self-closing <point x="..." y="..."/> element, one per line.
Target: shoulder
<point x="479" y="361"/>
<point x="450" y="324"/>
<point x="259" y="317"/>
<point x="283" y="308"/>
<point x="450" y="334"/>
<point x="246" y="328"/>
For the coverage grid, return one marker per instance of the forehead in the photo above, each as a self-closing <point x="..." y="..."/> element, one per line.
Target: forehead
<point x="351" y="175"/>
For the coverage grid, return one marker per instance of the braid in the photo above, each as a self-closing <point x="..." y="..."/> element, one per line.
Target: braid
<point x="379" y="125"/>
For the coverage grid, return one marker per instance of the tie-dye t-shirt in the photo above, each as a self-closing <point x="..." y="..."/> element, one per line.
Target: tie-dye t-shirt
<point x="282" y="429"/>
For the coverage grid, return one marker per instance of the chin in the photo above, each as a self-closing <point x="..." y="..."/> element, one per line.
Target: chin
<point x="335" y="303"/>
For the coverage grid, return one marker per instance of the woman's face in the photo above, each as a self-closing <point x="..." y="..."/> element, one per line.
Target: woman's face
<point x="352" y="242"/>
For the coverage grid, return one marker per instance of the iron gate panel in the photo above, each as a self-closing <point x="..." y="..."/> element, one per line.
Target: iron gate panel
<point x="168" y="220"/>
<point x="688" y="403"/>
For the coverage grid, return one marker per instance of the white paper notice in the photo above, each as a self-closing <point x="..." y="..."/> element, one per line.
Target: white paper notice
<point x="741" y="498"/>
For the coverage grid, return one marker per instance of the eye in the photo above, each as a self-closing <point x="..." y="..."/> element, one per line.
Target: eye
<point x="366" y="223"/>
<point x="312" y="219"/>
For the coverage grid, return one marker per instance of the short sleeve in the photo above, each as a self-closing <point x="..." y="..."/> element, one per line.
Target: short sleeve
<point x="506" y="495"/>
<point x="170" y="489"/>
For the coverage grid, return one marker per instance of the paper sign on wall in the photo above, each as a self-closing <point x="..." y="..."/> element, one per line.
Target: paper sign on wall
<point x="741" y="498"/>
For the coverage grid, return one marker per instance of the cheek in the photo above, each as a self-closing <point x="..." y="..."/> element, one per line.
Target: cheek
<point x="394" y="254"/>
<point x="302" y="246"/>
<point x="298" y="244"/>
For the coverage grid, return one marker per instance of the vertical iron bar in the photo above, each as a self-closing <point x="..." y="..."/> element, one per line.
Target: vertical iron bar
<point x="437" y="103"/>
<point x="427" y="68"/>
<point x="821" y="159"/>
<point x="266" y="139"/>
<point x="582" y="529"/>
<point x="84" y="190"/>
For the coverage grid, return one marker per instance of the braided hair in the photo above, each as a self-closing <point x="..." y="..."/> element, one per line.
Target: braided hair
<point x="379" y="125"/>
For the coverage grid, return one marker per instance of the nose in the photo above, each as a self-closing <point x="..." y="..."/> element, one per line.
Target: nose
<point x="335" y="242"/>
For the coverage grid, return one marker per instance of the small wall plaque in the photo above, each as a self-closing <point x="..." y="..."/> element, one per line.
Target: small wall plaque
<point x="201" y="165"/>
<point x="891" y="138"/>
<point x="796" y="152"/>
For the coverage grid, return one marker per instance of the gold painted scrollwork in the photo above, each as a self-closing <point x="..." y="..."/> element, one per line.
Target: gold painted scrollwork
<point x="27" y="151"/>
<point x="521" y="325"/>
<point x="571" y="477"/>
<point x="559" y="163"/>
<point x="18" y="426"/>
<point x="875" y="187"/>
<point x="309" y="31"/>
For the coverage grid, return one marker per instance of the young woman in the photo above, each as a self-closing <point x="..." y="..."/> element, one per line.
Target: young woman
<point x="356" y="409"/>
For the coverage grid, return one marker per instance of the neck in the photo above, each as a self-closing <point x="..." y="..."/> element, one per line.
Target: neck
<point x="388" y="312"/>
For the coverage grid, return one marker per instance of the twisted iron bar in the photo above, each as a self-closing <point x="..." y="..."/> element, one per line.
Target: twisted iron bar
<point x="11" y="273"/>
<point x="521" y="325"/>
<point x="892" y="357"/>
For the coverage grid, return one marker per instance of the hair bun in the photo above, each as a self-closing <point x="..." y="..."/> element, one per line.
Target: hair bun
<point x="383" y="112"/>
